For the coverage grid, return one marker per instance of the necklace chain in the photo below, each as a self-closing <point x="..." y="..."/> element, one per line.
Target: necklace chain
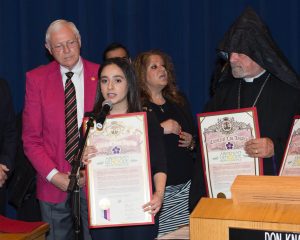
<point x="161" y="108"/>
<point x="258" y="95"/>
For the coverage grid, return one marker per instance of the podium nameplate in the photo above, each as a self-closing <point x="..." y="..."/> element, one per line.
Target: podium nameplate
<point x="250" y="234"/>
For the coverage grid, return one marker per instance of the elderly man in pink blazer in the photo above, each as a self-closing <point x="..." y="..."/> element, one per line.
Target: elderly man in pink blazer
<point x="44" y="130"/>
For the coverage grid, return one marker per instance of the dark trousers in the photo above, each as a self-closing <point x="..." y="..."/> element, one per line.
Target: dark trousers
<point x="60" y="218"/>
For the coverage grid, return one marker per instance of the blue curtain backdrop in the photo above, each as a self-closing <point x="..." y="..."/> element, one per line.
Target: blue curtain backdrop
<point x="188" y="30"/>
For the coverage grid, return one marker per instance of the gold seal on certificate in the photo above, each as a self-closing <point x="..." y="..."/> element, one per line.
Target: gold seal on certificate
<point x="223" y="136"/>
<point x="291" y="160"/>
<point x="119" y="176"/>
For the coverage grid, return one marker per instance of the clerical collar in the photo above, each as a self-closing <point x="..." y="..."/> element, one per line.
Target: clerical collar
<point x="252" y="79"/>
<point x="257" y="96"/>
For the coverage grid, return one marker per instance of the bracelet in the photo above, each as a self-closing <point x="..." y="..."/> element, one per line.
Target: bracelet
<point x="192" y="145"/>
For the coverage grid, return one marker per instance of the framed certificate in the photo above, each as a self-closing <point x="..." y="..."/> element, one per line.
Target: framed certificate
<point x="222" y="138"/>
<point x="119" y="176"/>
<point x="291" y="160"/>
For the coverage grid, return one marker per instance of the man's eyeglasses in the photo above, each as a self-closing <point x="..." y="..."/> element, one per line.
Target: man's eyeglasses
<point x="61" y="46"/>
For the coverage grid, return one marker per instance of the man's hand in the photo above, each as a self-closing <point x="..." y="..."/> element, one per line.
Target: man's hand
<point x="61" y="181"/>
<point x="260" y="148"/>
<point x="3" y="174"/>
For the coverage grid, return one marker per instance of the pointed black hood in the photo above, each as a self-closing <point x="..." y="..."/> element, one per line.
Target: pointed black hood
<point x="250" y="36"/>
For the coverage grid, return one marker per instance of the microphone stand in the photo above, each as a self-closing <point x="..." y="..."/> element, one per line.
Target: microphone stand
<point x="73" y="186"/>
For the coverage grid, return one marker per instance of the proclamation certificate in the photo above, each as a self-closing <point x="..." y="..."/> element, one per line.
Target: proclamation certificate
<point x="222" y="136"/>
<point x="291" y="160"/>
<point x="119" y="176"/>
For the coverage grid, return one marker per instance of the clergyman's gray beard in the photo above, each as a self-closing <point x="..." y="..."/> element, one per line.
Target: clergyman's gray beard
<point x="238" y="72"/>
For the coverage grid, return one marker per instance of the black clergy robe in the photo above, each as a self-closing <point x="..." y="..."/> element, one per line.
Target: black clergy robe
<point x="276" y="106"/>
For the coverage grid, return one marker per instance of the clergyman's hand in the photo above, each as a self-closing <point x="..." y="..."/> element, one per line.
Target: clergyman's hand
<point x="260" y="147"/>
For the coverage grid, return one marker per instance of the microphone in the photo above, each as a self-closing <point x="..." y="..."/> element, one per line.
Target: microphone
<point x="106" y="107"/>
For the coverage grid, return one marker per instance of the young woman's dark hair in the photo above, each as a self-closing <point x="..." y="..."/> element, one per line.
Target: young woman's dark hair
<point x="133" y="96"/>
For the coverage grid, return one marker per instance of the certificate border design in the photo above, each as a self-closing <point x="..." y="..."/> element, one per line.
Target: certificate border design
<point x="226" y="113"/>
<point x="286" y="151"/>
<point x="148" y="176"/>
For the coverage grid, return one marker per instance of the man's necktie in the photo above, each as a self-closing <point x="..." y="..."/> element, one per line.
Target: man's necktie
<point x="72" y="133"/>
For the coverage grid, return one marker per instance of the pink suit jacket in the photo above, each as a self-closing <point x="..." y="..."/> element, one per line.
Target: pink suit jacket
<point x="44" y="123"/>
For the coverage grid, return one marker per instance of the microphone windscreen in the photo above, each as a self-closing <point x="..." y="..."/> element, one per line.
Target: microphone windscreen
<point x="108" y="103"/>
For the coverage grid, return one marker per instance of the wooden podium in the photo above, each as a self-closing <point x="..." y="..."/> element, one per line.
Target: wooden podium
<point x="222" y="219"/>
<point x="37" y="234"/>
